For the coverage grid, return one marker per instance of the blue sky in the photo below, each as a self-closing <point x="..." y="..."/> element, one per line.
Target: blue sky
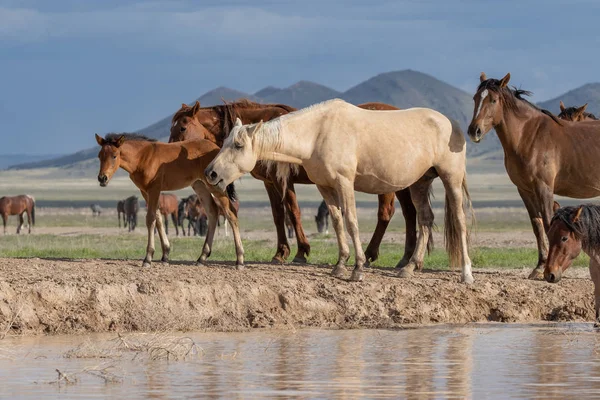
<point x="71" y="68"/>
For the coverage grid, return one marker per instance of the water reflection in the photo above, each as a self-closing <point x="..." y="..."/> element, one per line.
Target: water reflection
<point x="490" y="361"/>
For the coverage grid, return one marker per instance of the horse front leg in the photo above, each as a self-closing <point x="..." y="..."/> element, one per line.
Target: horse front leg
<point x="4" y="218"/>
<point x="346" y="192"/>
<point x="278" y="211"/>
<point x="419" y="193"/>
<point x="331" y="199"/>
<point x="151" y="210"/>
<point x="291" y="203"/>
<point x="537" y="223"/>
<point x="409" y="212"/>
<point x="212" y="212"/>
<point x="164" y="239"/>
<point x="385" y="212"/>
<point x="231" y="216"/>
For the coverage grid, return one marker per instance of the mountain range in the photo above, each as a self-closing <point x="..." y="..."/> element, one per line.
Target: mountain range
<point x="403" y="89"/>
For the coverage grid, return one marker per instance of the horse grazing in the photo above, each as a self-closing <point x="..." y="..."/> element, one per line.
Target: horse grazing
<point x="573" y="229"/>
<point x="543" y="155"/>
<point x="155" y="167"/>
<point x="18" y="205"/>
<point x="575" y="113"/>
<point x="121" y="212"/>
<point x="131" y="207"/>
<point x="168" y="204"/>
<point x="322" y="218"/>
<point x="215" y="123"/>
<point x="334" y="143"/>
<point x="96" y="210"/>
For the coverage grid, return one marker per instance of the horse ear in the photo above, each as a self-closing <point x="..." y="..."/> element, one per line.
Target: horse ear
<point x="195" y="108"/>
<point x="120" y="141"/>
<point x="555" y="206"/>
<point x="184" y="106"/>
<point x="562" y="106"/>
<point x="577" y="214"/>
<point x="238" y="122"/>
<point x="257" y="127"/>
<point x="579" y="112"/>
<point x="504" y="81"/>
<point x="482" y="77"/>
<point x="99" y="139"/>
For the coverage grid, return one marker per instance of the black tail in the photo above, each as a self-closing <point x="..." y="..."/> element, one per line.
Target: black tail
<point x="231" y="192"/>
<point x="33" y="213"/>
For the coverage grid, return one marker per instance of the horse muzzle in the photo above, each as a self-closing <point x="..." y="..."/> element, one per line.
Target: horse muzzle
<point x="553" y="277"/>
<point x="103" y="179"/>
<point x="475" y="133"/>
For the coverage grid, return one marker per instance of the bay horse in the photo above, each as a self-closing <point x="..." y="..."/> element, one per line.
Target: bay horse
<point x="155" y="167"/>
<point x="543" y="155"/>
<point x="322" y="218"/>
<point x="191" y="209"/>
<point x="168" y="204"/>
<point x="131" y="207"/>
<point x="573" y="229"/>
<point x="121" y="212"/>
<point x="18" y="205"/>
<point x="334" y="143"/>
<point x="215" y="123"/>
<point x="575" y="113"/>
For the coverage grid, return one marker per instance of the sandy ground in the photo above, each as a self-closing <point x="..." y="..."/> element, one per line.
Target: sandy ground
<point x="74" y="296"/>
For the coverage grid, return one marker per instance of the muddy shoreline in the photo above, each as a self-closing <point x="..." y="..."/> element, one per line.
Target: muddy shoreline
<point x="41" y="296"/>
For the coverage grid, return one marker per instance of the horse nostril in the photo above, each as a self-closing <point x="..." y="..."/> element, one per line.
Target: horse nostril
<point x="478" y="131"/>
<point x="552" y="278"/>
<point x="213" y="175"/>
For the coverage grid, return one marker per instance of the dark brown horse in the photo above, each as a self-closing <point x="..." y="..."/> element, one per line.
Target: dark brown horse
<point x="121" y="212"/>
<point x="155" y="167"/>
<point x="215" y="123"/>
<point x="18" y="205"/>
<point x="168" y="204"/>
<point x="543" y="155"/>
<point x="574" y="229"/>
<point x="575" y="113"/>
<point x="131" y="207"/>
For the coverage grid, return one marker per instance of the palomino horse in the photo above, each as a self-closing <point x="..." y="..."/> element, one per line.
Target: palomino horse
<point x="214" y="124"/>
<point x="168" y="204"/>
<point x="131" y="206"/>
<point x="18" y="205"/>
<point x="334" y="143"/>
<point x="543" y="155"/>
<point x="573" y="229"/>
<point x="575" y="113"/>
<point x="121" y="212"/>
<point x="322" y="218"/>
<point x="155" y="167"/>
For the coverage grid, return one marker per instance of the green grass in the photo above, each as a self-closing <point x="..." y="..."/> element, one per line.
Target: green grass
<point x="324" y="251"/>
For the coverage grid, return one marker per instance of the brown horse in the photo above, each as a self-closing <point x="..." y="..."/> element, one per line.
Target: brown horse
<point x="168" y="204"/>
<point x="18" y="205"/>
<point x="215" y="123"/>
<point x="196" y="215"/>
<point x="574" y="229"/>
<point x="543" y="155"/>
<point x="155" y="167"/>
<point x="575" y="113"/>
<point x="131" y="207"/>
<point x="121" y="212"/>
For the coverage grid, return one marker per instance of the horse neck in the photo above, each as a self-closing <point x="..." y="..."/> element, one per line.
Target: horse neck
<point x="130" y="154"/>
<point x="211" y="121"/>
<point x="512" y="129"/>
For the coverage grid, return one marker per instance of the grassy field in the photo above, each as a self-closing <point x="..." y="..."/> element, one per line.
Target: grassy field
<point x="324" y="250"/>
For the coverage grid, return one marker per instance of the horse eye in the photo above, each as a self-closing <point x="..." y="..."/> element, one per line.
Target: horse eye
<point x="564" y="238"/>
<point x="493" y="101"/>
<point x="238" y="145"/>
<point x="183" y="128"/>
<point x="115" y="157"/>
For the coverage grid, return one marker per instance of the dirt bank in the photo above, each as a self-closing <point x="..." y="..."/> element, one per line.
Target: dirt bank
<point x="71" y="296"/>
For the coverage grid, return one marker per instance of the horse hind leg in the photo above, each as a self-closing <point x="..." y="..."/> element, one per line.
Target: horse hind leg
<point x="295" y="217"/>
<point x="385" y="212"/>
<point x="164" y="239"/>
<point x="21" y="222"/>
<point x="331" y="198"/>
<point x="419" y="193"/>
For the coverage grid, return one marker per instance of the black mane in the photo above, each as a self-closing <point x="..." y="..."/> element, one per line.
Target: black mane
<point x="587" y="228"/>
<point x="114" y="137"/>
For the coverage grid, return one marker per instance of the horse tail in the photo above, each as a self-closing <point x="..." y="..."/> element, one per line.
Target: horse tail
<point x="452" y="231"/>
<point x="430" y="243"/>
<point x="231" y="193"/>
<point x="32" y="211"/>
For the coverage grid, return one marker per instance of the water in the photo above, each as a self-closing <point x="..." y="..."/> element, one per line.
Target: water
<point x="475" y="361"/>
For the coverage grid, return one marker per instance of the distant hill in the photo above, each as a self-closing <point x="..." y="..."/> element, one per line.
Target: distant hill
<point x="6" y="160"/>
<point x="300" y="95"/>
<point x="589" y="93"/>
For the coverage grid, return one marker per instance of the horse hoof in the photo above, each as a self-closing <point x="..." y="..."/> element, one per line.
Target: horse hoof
<point x="536" y="274"/>
<point x="146" y="264"/>
<point x="239" y="267"/>
<point x="338" y="271"/>
<point x="596" y="324"/>
<point x="402" y="263"/>
<point x="357" y="276"/>
<point x="278" y="259"/>
<point x="406" y="272"/>
<point x="164" y="259"/>
<point x="467" y="279"/>
<point x="300" y="260"/>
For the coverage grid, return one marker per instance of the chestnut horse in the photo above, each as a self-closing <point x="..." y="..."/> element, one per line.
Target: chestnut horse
<point x="575" y="113"/>
<point x="543" y="155"/>
<point x="214" y="124"/>
<point x="18" y="205"/>
<point x="573" y="229"/>
<point x="168" y="204"/>
<point x="334" y="142"/>
<point x="155" y="167"/>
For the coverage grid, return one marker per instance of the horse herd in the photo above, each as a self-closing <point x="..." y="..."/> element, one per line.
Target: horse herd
<point x="374" y="148"/>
